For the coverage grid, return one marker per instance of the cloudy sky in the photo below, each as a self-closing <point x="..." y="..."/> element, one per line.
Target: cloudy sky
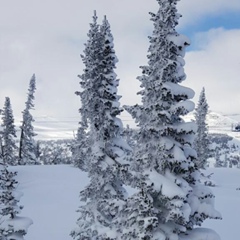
<point x="46" y="38"/>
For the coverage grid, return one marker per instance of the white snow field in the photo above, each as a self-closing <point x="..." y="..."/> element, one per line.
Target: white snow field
<point x="51" y="198"/>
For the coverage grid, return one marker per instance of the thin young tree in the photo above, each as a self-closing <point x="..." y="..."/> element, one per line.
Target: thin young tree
<point x="201" y="143"/>
<point x="27" y="146"/>
<point x="105" y="194"/>
<point x="169" y="201"/>
<point x="80" y="148"/>
<point x="8" y="133"/>
<point x="12" y="226"/>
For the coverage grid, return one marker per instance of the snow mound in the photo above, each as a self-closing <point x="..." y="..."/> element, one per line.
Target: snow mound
<point x="17" y="225"/>
<point x="201" y="234"/>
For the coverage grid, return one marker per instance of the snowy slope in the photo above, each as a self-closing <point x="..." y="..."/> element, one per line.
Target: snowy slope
<point x="220" y="123"/>
<point x="51" y="198"/>
<point x="227" y="202"/>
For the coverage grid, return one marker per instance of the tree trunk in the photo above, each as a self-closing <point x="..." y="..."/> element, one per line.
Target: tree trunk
<point x="20" y="147"/>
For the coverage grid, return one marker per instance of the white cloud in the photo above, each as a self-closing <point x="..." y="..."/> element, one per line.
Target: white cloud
<point x="47" y="37"/>
<point x="216" y="66"/>
<point x="194" y="10"/>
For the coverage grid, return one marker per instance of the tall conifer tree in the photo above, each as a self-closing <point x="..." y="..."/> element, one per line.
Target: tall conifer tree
<point x="90" y="58"/>
<point x="27" y="147"/>
<point x="201" y="143"/>
<point x="8" y="134"/>
<point x="170" y="200"/>
<point x="105" y="194"/>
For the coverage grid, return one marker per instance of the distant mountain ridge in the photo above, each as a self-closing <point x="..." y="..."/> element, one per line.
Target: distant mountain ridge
<point x="217" y="122"/>
<point x="53" y="128"/>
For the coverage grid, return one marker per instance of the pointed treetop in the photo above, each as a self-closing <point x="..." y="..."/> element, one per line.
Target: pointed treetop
<point x="95" y="16"/>
<point x="105" y="24"/>
<point x="202" y="92"/>
<point x="202" y="98"/>
<point x="105" y="20"/>
<point x="31" y="91"/>
<point x="7" y="101"/>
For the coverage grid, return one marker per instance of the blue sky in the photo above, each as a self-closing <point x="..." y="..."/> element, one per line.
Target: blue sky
<point x="227" y="20"/>
<point x="47" y="37"/>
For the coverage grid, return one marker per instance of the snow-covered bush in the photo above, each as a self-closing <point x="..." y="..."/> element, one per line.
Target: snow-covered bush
<point x="224" y="152"/>
<point x="55" y="152"/>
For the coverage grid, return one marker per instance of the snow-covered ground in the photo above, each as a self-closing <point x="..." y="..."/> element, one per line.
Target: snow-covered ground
<point x="51" y="193"/>
<point x="227" y="202"/>
<point x="51" y="198"/>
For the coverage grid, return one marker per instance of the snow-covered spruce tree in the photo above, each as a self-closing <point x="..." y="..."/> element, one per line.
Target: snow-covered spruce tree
<point x="130" y="136"/>
<point x="170" y="200"/>
<point x="8" y="135"/>
<point x="12" y="226"/>
<point x="201" y="142"/>
<point x="105" y="194"/>
<point x="27" y="146"/>
<point x="220" y="160"/>
<point x="80" y="148"/>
